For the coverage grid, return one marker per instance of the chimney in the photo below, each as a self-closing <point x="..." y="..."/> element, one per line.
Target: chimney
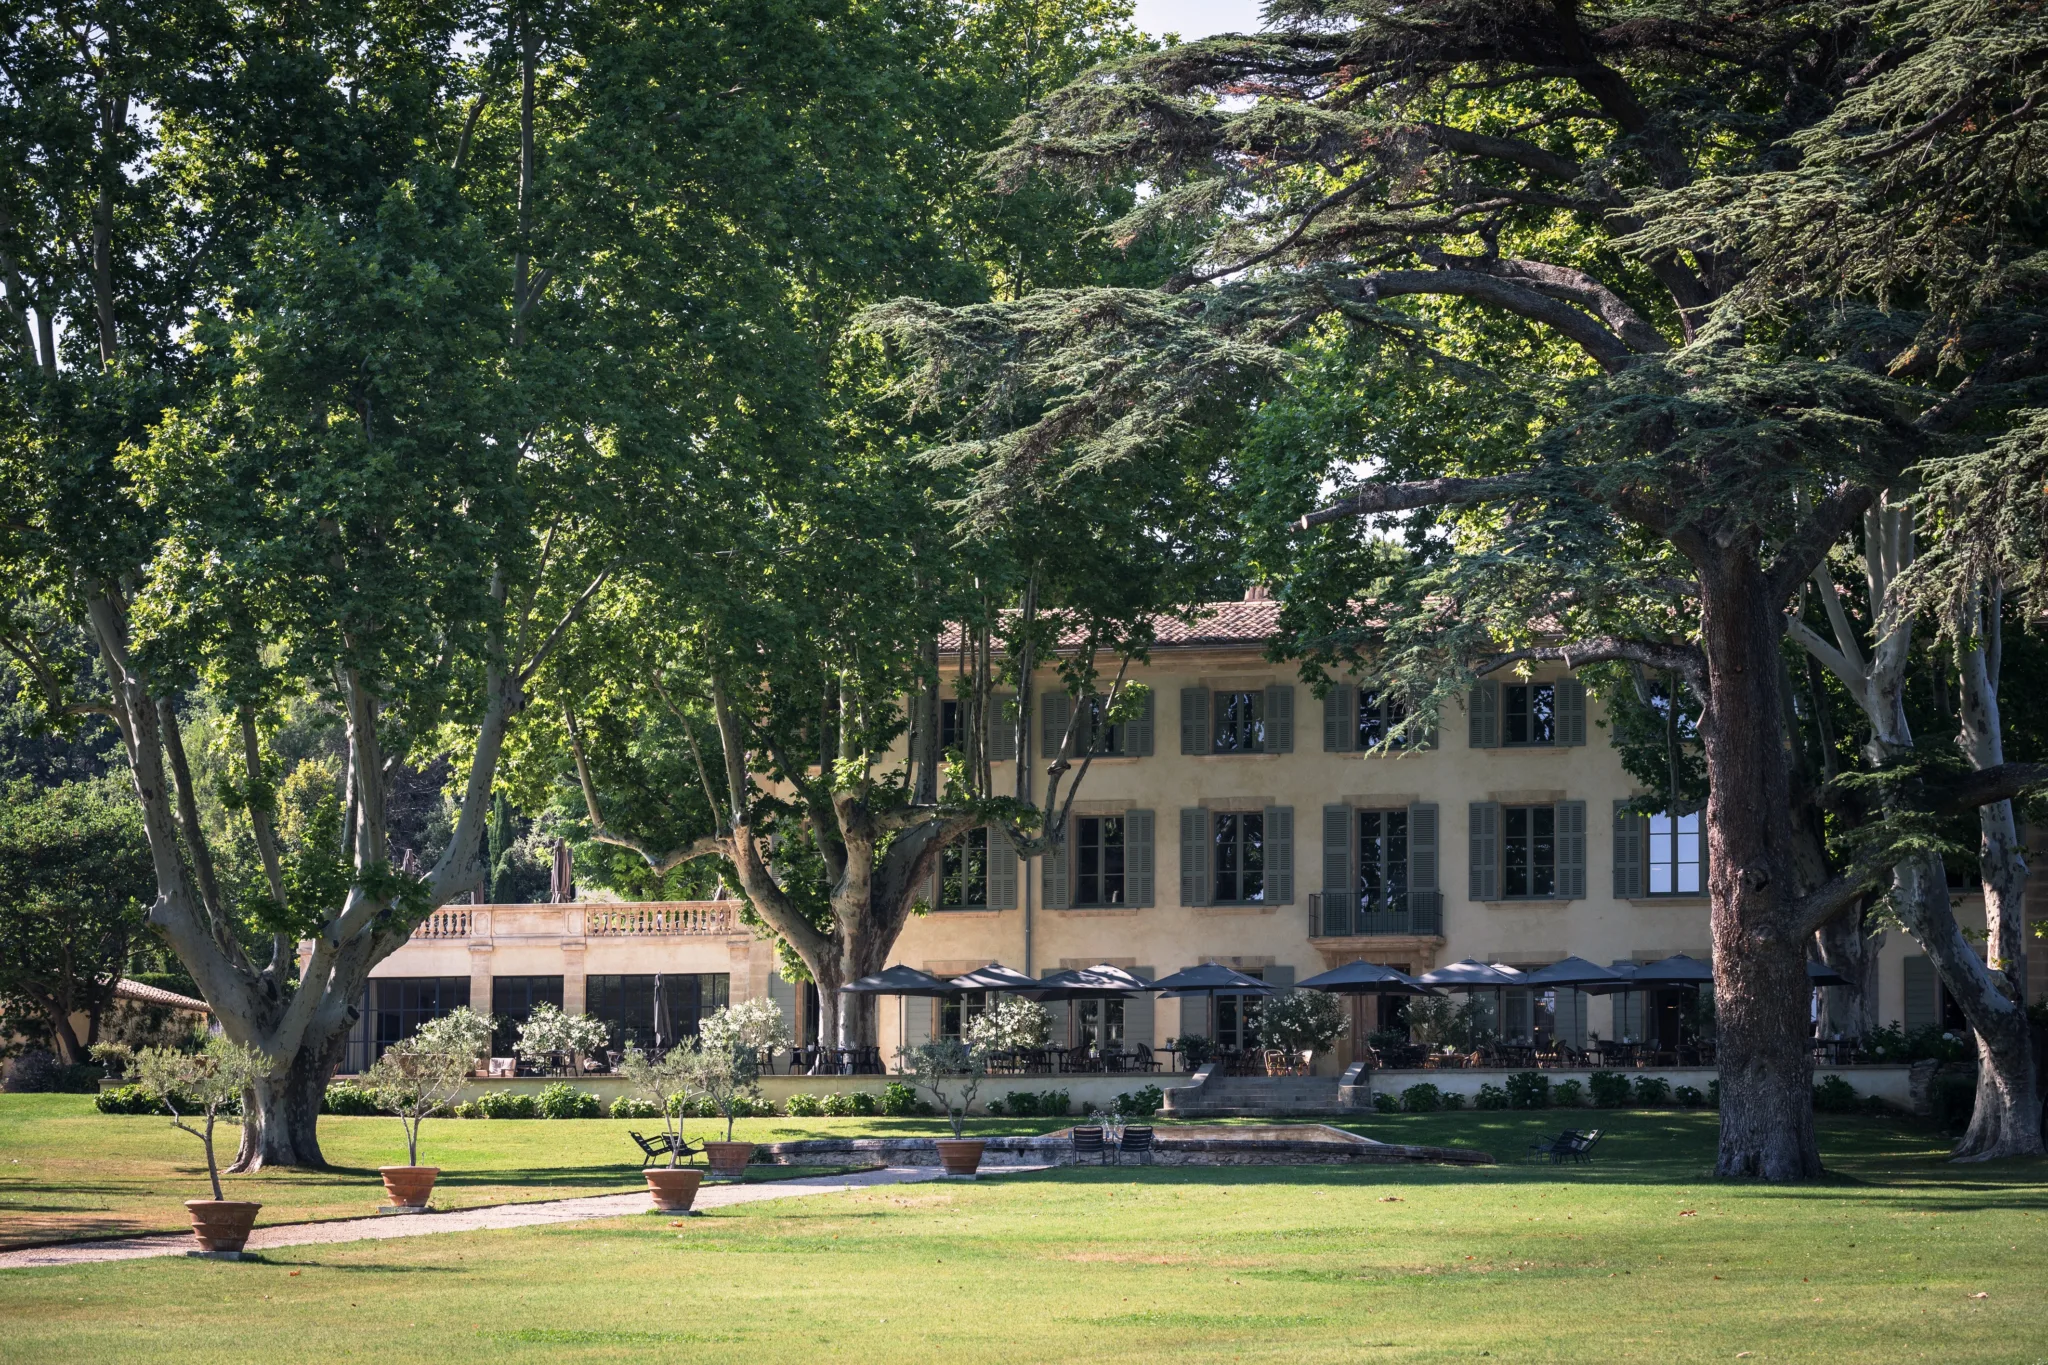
<point x="1258" y="592"/>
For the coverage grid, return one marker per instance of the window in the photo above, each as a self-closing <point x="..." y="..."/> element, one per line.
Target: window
<point x="401" y="1004"/>
<point x="963" y="872"/>
<point x="1240" y="723"/>
<point x="958" y="1011"/>
<point x="1529" y="714"/>
<point x="652" y="1011"/>
<point x="1237" y="1020"/>
<point x="1099" y="1023"/>
<point x="512" y="1001"/>
<point x="952" y="739"/>
<point x="1099" y="860"/>
<point x="1240" y="857"/>
<point x="1379" y="716"/>
<point x="1382" y="860"/>
<point x="1529" y="849"/>
<point x="1674" y="855"/>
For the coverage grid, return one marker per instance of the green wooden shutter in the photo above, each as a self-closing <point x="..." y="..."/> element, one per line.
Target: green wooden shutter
<point x="1055" y="878"/>
<point x="1629" y="881"/>
<point x="1340" y="884"/>
<point x="1628" y="1015"/>
<point x="1571" y="1015"/>
<point x="1137" y="732"/>
<point x="1138" y="858"/>
<point x="1923" y="994"/>
<point x="1571" y="850"/>
<point x="1279" y="855"/>
<point x="1485" y="716"/>
<point x="1194" y="1014"/>
<point x="918" y="1021"/>
<point x="1002" y="870"/>
<point x="1055" y="709"/>
<point x="1571" y="711"/>
<point x="1485" y="852"/>
<point x="1340" y="719"/>
<point x="1002" y="727"/>
<point x="1425" y="887"/>
<point x="1280" y="718"/>
<point x="1194" y="721"/>
<point x="1279" y="974"/>
<point x="1194" y="856"/>
<point x="1140" y="1017"/>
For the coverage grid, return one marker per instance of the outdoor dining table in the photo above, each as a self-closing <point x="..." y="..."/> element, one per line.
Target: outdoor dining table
<point x="1612" y="1053"/>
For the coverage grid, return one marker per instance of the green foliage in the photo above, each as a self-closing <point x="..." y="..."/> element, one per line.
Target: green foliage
<point x="1833" y="1095"/>
<point x="564" y="1101"/>
<point x="130" y="1099"/>
<point x="1141" y="1103"/>
<point x="342" y="1097"/>
<point x="1610" y="1089"/>
<point x="1383" y="1103"/>
<point x="1035" y="1103"/>
<point x="1422" y="1099"/>
<point x="1690" y="1097"/>
<point x="634" y="1107"/>
<point x="804" y="1106"/>
<point x="1453" y="1099"/>
<point x="898" y="1100"/>
<point x="1528" y="1090"/>
<point x="1490" y="1097"/>
<point x="501" y="1104"/>
<point x="1652" y="1092"/>
<point x="1195" y="1050"/>
<point x="1568" y="1095"/>
<point x="1302" y="1021"/>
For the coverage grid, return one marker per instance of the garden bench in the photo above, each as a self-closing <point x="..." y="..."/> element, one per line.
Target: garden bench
<point x="661" y="1145"/>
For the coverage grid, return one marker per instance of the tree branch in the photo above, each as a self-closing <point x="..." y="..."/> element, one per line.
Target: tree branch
<point x="1402" y="497"/>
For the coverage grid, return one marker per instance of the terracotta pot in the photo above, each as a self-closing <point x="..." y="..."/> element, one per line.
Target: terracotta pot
<point x="673" y="1187"/>
<point x="728" y="1160"/>
<point x="409" y="1187"/>
<point x="221" y="1224"/>
<point x="960" y="1156"/>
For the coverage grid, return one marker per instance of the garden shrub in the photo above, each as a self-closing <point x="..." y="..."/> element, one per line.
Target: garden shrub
<point x="804" y="1106"/>
<point x="1610" y="1089"/>
<point x="1422" y="1099"/>
<point x="348" y="1100"/>
<point x="1528" y="1090"/>
<point x="564" y="1101"/>
<point x="1141" y="1103"/>
<point x="864" y="1103"/>
<point x="1568" y="1094"/>
<point x="1055" y="1103"/>
<point x="994" y="1109"/>
<point x="129" y="1099"/>
<point x="1652" y="1092"/>
<point x="502" y="1104"/>
<point x="838" y="1104"/>
<point x="1491" y="1097"/>
<point x="40" y="1073"/>
<point x="1833" y="1095"/>
<point x="635" y="1107"/>
<point x="1383" y="1103"/>
<point x="1050" y="1103"/>
<point x="1454" y="1099"/>
<point x="1692" y="1097"/>
<point x="898" y="1100"/>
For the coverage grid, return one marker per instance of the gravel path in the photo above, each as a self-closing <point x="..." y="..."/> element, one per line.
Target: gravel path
<point x="465" y="1220"/>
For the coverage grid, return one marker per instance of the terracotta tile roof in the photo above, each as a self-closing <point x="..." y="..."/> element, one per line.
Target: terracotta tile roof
<point x="143" y="994"/>
<point x="1244" y="624"/>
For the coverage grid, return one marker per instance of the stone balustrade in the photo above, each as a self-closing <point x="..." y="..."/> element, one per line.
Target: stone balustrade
<point x="644" y="919"/>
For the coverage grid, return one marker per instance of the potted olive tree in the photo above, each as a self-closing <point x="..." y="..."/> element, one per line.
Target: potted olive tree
<point x="415" y="1079"/>
<point x="665" y="1081"/>
<point x="200" y="1086"/>
<point x="950" y="1071"/>
<point x="730" y="1044"/>
<point x="1301" y="1024"/>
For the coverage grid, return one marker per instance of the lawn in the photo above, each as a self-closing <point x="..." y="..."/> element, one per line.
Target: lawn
<point x="1639" y="1257"/>
<point x="69" y="1171"/>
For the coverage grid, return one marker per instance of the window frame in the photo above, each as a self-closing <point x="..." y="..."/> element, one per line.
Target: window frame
<point x="1238" y="820"/>
<point x="1526" y="715"/>
<point x="1675" y="836"/>
<point x="1378" y="714"/>
<point x="1254" y="699"/>
<point x="955" y="863"/>
<point x="1101" y="847"/>
<point x="1546" y="811"/>
<point x="1385" y="862"/>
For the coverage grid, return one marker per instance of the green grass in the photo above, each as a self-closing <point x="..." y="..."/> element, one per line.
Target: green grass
<point x="1638" y="1257"/>
<point x="68" y="1171"/>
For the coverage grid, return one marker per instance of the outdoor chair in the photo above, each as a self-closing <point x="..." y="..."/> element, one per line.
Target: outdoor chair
<point x="1088" y="1142"/>
<point x="1582" y="1146"/>
<point x="504" y="1066"/>
<point x="660" y="1145"/>
<point x="1554" y="1148"/>
<point x="1137" y="1141"/>
<point x="1143" y="1060"/>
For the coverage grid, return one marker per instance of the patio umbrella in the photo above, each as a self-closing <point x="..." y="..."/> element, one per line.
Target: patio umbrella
<point x="1676" y="970"/>
<point x="996" y="977"/>
<point x="1471" y="974"/>
<point x="1088" y="983"/>
<point x="1820" y="974"/>
<point x="901" y="981"/>
<point x="1210" y="979"/>
<point x="1365" y="978"/>
<point x="1578" y="974"/>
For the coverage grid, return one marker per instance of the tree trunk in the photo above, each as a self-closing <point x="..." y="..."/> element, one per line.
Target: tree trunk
<point x="1761" y="985"/>
<point x="287" y="1127"/>
<point x="1851" y="950"/>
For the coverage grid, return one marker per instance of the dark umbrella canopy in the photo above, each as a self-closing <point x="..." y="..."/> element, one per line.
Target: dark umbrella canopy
<point x="1472" y="975"/>
<point x="1365" y="978"/>
<point x="900" y="980"/>
<point x="996" y="977"/>
<point x="1676" y="970"/>
<point x="1820" y="974"/>
<point x="1577" y="973"/>
<point x="1211" y="977"/>
<point x="1090" y="983"/>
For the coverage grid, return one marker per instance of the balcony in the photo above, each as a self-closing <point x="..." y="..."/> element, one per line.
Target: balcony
<point x="642" y="919"/>
<point x="1413" y="914"/>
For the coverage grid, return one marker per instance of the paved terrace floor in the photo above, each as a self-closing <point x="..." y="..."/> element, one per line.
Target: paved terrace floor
<point x="467" y="1220"/>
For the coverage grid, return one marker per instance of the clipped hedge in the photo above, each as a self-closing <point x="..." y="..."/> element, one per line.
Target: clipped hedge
<point x="1528" y="1090"/>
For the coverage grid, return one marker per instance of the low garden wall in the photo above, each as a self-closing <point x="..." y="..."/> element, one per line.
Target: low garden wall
<point x="1307" y="1145"/>
<point x="1082" y="1089"/>
<point x="1891" y="1084"/>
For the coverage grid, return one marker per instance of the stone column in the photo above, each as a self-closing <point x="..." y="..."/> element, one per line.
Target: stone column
<point x="480" y="977"/>
<point x="575" y="985"/>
